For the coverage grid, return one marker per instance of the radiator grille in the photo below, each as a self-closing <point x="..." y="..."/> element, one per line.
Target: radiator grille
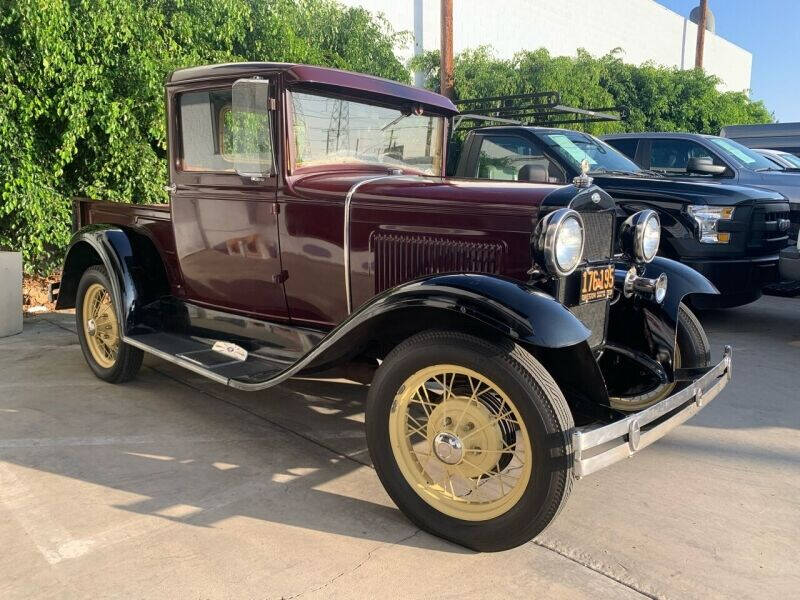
<point x="594" y="315"/>
<point x="599" y="235"/>
<point x="764" y="231"/>
<point x="402" y="257"/>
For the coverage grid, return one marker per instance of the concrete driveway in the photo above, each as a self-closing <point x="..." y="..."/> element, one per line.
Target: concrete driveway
<point x="175" y="487"/>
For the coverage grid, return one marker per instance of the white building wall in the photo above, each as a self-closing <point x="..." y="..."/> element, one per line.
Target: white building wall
<point x="644" y="29"/>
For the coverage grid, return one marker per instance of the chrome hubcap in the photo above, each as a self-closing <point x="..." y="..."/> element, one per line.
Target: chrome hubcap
<point x="91" y="327"/>
<point x="448" y="448"/>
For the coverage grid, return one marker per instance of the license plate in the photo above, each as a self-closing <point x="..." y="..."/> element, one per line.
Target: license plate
<point x="597" y="283"/>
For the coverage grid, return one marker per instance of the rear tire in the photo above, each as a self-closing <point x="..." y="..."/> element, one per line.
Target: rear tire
<point x="99" y="330"/>
<point x="506" y="413"/>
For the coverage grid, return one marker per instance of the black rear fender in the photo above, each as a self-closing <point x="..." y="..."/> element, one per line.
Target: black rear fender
<point x="134" y="265"/>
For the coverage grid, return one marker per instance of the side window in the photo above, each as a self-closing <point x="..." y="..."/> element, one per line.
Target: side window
<point x="625" y="145"/>
<point x="205" y="118"/>
<point x="513" y="158"/>
<point x="672" y="156"/>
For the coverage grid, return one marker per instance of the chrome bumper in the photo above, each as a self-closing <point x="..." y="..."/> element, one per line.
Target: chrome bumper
<point x="597" y="446"/>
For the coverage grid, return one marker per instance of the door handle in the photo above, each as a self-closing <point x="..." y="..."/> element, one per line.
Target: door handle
<point x="170" y="189"/>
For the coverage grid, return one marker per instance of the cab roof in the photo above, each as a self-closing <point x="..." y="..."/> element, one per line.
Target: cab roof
<point x="333" y="79"/>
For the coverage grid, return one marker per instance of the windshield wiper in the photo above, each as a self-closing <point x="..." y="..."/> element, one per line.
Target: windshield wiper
<point x="651" y="172"/>
<point x="604" y="171"/>
<point x="762" y="169"/>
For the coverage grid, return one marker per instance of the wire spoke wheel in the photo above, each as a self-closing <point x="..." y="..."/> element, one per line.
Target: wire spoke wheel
<point x="460" y="442"/>
<point x="100" y="325"/>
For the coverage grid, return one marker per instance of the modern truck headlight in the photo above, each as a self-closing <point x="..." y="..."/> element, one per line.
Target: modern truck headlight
<point x="641" y="235"/>
<point x="558" y="241"/>
<point x="707" y="219"/>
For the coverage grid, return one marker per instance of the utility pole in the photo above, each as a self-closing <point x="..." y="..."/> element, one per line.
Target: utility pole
<point x="446" y="50"/>
<point x="701" y="35"/>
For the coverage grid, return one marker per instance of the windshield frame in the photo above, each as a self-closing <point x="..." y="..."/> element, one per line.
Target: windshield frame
<point x="563" y="156"/>
<point x="404" y="110"/>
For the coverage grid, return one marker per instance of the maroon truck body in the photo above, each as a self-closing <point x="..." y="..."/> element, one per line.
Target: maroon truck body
<point x="558" y="323"/>
<point x="282" y="256"/>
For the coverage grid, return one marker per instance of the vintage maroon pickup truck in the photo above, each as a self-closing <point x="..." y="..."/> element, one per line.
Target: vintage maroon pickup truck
<point x="517" y="335"/>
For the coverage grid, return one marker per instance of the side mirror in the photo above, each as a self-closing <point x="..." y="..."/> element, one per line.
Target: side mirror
<point x="247" y="130"/>
<point x="704" y="166"/>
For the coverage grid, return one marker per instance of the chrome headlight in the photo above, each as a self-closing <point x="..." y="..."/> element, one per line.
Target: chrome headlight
<point x="707" y="219"/>
<point x="641" y="235"/>
<point x="558" y="241"/>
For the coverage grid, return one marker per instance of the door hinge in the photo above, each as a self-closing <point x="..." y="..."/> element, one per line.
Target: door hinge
<point x="276" y="209"/>
<point x="170" y="189"/>
<point x="273" y="105"/>
<point x="280" y="277"/>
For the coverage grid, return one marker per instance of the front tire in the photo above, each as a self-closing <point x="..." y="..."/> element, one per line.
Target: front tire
<point x="99" y="330"/>
<point x="470" y="439"/>
<point x="692" y="350"/>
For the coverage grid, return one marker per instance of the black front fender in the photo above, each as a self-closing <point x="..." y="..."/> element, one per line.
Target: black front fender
<point x="643" y="325"/>
<point x="492" y="305"/>
<point x="518" y="311"/>
<point x="682" y="281"/>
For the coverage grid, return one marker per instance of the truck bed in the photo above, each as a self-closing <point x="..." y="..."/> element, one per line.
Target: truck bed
<point x="86" y="211"/>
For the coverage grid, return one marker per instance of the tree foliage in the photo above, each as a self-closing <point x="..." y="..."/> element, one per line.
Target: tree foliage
<point x="659" y="98"/>
<point x="81" y="92"/>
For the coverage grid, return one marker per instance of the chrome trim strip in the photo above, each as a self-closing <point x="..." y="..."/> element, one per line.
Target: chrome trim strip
<point x="702" y="391"/>
<point x="346" y="238"/>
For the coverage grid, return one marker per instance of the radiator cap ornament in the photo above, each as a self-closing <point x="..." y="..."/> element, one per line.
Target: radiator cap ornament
<point x="583" y="180"/>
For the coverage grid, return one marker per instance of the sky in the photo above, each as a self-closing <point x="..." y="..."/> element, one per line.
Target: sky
<point x="770" y="31"/>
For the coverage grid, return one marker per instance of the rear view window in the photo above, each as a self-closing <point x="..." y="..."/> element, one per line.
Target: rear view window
<point x="512" y="158"/>
<point x="203" y="116"/>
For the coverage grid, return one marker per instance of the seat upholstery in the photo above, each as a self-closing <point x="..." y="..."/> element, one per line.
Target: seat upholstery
<point x="533" y="172"/>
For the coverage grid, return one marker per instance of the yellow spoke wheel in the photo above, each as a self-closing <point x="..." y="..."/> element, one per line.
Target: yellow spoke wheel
<point x="460" y="442"/>
<point x="100" y="325"/>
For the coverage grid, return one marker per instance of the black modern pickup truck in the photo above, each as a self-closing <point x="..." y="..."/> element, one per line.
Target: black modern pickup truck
<point x="730" y="233"/>
<point x="696" y="156"/>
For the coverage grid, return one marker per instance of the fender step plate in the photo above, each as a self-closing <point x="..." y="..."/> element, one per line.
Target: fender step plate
<point x="230" y="350"/>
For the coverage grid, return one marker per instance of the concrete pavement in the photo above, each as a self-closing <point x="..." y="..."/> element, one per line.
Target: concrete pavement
<point x="172" y="486"/>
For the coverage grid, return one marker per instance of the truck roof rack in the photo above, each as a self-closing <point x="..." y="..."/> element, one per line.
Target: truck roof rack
<point x="541" y="109"/>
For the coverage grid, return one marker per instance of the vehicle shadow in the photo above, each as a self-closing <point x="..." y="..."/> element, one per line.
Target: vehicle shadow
<point x="201" y="461"/>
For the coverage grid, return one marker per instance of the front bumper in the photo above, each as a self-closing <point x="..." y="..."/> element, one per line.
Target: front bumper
<point x="734" y="276"/>
<point x="598" y="446"/>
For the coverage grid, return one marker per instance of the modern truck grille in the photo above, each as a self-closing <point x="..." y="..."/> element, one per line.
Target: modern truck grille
<point x="599" y="228"/>
<point x="765" y="232"/>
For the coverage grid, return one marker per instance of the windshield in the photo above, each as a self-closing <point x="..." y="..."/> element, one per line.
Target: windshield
<point x="329" y="130"/>
<point x="742" y="155"/>
<point x="790" y="158"/>
<point x="574" y="147"/>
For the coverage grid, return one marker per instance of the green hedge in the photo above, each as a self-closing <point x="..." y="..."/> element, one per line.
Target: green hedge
<point x="81" y="92"/>
<point x="659" y="98"/>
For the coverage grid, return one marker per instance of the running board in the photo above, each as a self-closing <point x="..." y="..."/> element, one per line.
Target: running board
<point x="256" y="371"/>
